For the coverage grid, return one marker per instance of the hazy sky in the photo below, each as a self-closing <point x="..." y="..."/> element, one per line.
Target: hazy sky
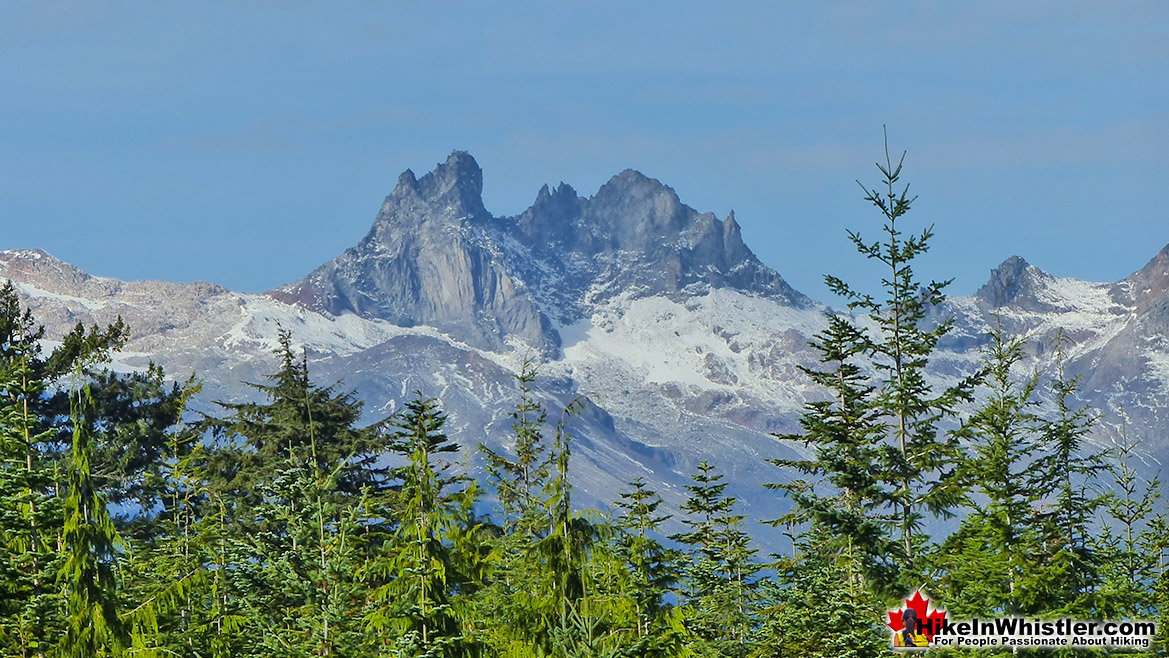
<point x="245" y="143"/>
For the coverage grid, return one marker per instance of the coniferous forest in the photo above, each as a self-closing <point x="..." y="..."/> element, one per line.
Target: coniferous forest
<point x="281" y="527"/>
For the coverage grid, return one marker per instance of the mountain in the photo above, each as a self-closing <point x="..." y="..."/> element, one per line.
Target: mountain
<point x="429" y="260"/>
<point x="683" y="345"/>
<point x="436" y="257"/>
<point x="1112" y="337"/>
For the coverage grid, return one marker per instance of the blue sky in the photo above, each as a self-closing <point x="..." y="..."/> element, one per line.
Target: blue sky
<point x="245" y="143"/>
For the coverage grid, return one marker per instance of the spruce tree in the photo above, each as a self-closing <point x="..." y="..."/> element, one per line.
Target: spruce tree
<point x="650" y="564"/>
<point x="415" y="579"/>
<point x="313" y="423"/>
<point x="1066" y="476"/>
<point x="91" y="544"/>
<point x="808" y="610"/>
<point x="719" y="568"/>
<point x="519" y="482"/>
<point x="923" y="464"/>
<point x="31" y="512"/>
<point x="847" y="494"/>
<point x="517" y="604"/>
<point x="992" y="563"/>
<point x="1134" y="543"/>
<point x="48" y="446"/>
<point x="883" y="462"/>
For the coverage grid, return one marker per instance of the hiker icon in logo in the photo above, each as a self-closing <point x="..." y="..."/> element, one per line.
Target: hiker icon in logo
<point x="916" y="624"/>
<point x="909" y="635"/>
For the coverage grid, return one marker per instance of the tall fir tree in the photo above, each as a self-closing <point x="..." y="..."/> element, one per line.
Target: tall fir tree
<point x="993" y="563"/>
<point x="718" y="571"/>
<point x="414" y="578"/>
<point x="298" y="418"/>
<point x="847" y="495"/>
<point x="520" y="481"/>
<point x="651" y="565"/>
<point x="30" y="606"/>
<point x="1133" y="543"/>
<point x="91" y="544"/>
<point x="923" y="466"/>
<point x="1066" y="476"/>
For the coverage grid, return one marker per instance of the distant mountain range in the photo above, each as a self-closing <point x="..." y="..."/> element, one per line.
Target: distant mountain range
<point x="686" y="346"/>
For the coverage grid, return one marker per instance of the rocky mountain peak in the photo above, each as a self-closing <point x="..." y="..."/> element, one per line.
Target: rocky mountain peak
<point x="1013" y="282"/>
<point x="428" y="259"/>
<point x="435" y="256"/>
<point x="736" y="249"/>
<point x="1151" y="282"/>
<point x="638" y="205"/>
<point x="633" y="236"/>
<point x="453" y="191"/>
<point x="42" y="269"/>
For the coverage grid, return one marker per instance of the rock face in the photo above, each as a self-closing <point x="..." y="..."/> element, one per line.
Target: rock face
<point x="684" y="345"/>
<point x="633" y="236"/>
<point x="1112" y="337"/>
<point x="436" y="257"/>
<point x="428" y="260"/>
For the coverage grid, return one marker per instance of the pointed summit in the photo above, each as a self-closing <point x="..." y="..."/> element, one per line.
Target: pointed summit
<point x="733" y="244"/>
<point x="635" y="234"/>
<point x="1151" y="282"/>
<point x="435" y="256"/>
<point x="631" y="187"/>
<point x="411" y="268"/>
<point x="456" y="184"/>
<point x="407" y="184"/>
<point x="1005" y="283"/>
<point x="1015" y="282"/>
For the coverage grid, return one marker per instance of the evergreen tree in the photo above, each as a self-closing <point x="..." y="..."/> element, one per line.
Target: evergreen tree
<point x="1134" y="542"/>
<point x="809" y="610"/>
<point x="415" y="579"/>
<point x="299" y="421"/>
<point x="90" y="544"/>
<point x="175" y="583"/>
<point x="133" y="415"/>
<point x="882" y="462"/>
<point x="993" y="562"/>
<point x="1065" y="477"/>
<point x="849" y="494"/>
<point x="47" y="448"/>
<point x="519" y="482"/>
<point x="650" y="564"/>
<point x="303" y="596"/>
<point x="720" y="567"/>
<point x="923" y="465"/>
<point x="517" y="604"/>
<point x="30" y="510"/>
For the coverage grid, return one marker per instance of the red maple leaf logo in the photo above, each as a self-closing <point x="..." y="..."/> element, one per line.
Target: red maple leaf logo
<point x="931" y="620"/>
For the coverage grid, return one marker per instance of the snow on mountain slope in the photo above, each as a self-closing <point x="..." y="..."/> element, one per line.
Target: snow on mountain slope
<point x="683" y="345"/>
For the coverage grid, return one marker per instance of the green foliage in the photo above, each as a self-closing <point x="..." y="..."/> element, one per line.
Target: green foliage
<point x="849" y="494"/>
<point x="719" y="570"/>
<point x="520" y="482"/>
<point x="1134" y="542"/>
<point x="415" y="579"/>
<point x="284" y="529"/>
<point x="299" y="420"/>
<point x="1065" y="476"/>
<point x="996" y="563"/>
<point x="882" y="464"/>
<point x="815" y="611"/>
<point x="650" y="565"/>
<point x="924" y="464"/>
<point x="90" y="541"/>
